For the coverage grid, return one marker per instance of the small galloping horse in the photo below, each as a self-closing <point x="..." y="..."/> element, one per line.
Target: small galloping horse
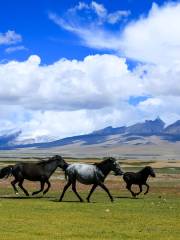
<point x="40" y="171"/>
<point x="139" y="179"/>
<point x="90" y="174"/>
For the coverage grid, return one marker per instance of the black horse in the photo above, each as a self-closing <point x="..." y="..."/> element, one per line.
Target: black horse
<point x="139" y="179"/>
<point x="90" y="174"/>
<point x="40" y="171"/>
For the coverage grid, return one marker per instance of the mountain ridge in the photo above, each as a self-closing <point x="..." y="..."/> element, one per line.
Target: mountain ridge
<point x="138" y="133"/>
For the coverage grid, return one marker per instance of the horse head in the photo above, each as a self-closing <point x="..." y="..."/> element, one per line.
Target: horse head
<point x="151" y="171"/>
<point x="61" y="162"/>
<point x="115" y="166"/>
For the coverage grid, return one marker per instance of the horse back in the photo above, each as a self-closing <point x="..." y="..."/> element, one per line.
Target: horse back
<point x="132" y="178"/>
<point x="29" y="171"/>
<point x="84" y="173"/>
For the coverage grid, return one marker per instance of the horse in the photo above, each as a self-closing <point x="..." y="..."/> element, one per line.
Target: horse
<point x="139" y="179"/>
<point x="90" y="174"/>
<point x="40" y="171"/>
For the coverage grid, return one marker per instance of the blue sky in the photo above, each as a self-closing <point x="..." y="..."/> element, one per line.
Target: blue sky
<point x="40" y="36"/>
<point x="99" y="62"/>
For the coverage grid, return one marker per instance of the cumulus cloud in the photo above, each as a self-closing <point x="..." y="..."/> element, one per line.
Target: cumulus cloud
<point x="10" y="37"/>
<point x="156" y="37"/>
<point x="95" y="92"/>
<point x="43" y="100"/>
<point x="93" y="83"/>
<point x="160" y="80"/>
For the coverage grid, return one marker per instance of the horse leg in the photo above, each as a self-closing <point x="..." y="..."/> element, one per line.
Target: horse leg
<point x="13" y="183"/>
<point x="106" y="190"/>
<point x="147" y="188"/>
<point x="75" y="191"/>
<point x="21" y="186"/>
<point x="92" y="190"/>
<point x="42" y="187"/>
<point x="64" y="190"/>
<point x="129" y="188"/>
<point x="140" y="190"/>
<point x="47" y="189"/>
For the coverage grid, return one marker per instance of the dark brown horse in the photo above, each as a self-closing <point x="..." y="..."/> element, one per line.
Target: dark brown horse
<point x="139" y="179"/>
<point x="40" y="171"/>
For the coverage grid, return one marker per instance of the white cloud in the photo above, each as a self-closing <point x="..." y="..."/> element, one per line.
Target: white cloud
<point x="96" y="12"/>
<point x="44" y="100"/>
<point x="90" y="35"/>
<point x="160" y="80"/>
<point x="96" y="82"/>
<point x="117" y="16"/>
<point x="87" y="21"/>
<point x="10" y="37"/>
<point x="93" y="93"/>
<point x="99" y="9"/>
<point x="58" y="124"/>
<point x="153" y="38"/>
<point x="15" y="49"/>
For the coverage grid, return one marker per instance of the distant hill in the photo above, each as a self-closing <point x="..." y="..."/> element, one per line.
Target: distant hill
<point x="6" y="138"/>
<point x="148" y="127"/>
<point x="172" y="132"/>
<point x="137" y="134"/>
<point x="173" y="129"/>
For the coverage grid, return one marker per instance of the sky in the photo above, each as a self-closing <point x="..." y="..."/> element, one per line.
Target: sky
<point x="71" y="67"/>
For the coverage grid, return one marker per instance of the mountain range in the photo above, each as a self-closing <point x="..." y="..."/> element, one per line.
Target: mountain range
<point x="137" y="134"/>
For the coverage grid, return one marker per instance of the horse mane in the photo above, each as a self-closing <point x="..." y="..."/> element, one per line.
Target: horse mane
<point x="144" y="168"/>
<point x="98" y="164"/>
<point x="44" y="162"/>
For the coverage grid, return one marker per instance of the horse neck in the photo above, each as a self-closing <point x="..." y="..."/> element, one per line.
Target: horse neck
<point x="66" y="165"/>
<point x="104" y="169"/>
<point x="50" y="167"/>
<point x="144" y="173"/>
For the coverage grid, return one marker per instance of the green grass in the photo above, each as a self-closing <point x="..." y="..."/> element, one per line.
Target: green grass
<point x="148" y="217"/>
<point x="154" y="216"/>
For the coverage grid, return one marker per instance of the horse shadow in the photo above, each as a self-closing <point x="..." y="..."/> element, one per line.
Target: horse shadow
<point x="24" y="197"/>
<point x="66" y="201"/>
<point x="127" y="197"/>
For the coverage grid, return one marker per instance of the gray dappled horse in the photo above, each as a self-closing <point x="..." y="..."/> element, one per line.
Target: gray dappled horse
<point x="90" y="174"/>
<point x="40" y="171"/>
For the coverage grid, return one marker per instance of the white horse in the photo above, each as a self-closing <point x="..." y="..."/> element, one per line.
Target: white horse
<point x="90" y="174"/>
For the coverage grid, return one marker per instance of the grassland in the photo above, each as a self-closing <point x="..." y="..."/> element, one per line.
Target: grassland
<point x="154" y="216"/>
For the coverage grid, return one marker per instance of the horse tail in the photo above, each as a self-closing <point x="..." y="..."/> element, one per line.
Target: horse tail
<point x="66" y="175"/>
<point x="6" y="172"/>
<point x="126" y="177"/>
